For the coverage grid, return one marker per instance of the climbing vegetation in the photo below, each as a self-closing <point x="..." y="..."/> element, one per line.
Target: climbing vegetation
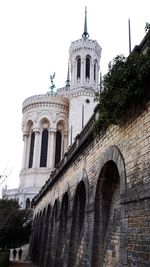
<point x="126" y="87"/>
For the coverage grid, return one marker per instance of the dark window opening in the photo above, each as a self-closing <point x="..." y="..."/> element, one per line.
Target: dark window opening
<point x="28" y="203"/>
<point x="87" y="73"/>
<point x="44" y="146"/>
<point x="78" y="68"/>
<point x="31" y="150"/>
<point x="58" y="147"/>
<point x="95" y="71"/>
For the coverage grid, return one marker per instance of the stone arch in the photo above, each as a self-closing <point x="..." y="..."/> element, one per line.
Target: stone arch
<point x="82" y="177"/>
<point x="40" y="233"/>
<point x="62" y="231"/>
<point x="38" y="239"/>
<point x="46" y="236"/>
<point x="61" y="123"/>
<point x="112" y="153"/>
<point x="106" y="234"/>
<point x="52" y="240"/>
<point x="78" y="215"/>
<point x="44" y="123"/>
<point x="42" y="229"/>
<point x="33" y="237"/>
<point x="59" y="145"/>
<point x="28" y="125"/>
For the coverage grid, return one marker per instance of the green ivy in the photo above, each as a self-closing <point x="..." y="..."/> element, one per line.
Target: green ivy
<point x="126" y="87"/>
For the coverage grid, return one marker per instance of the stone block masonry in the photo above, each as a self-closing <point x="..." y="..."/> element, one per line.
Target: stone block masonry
<point x="95" y="208"/>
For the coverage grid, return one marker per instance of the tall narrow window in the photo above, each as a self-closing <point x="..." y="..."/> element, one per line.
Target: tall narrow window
<point x="28" y="203"/>
<point x="78" y="68"/>
<point x="44" y="146"/>
<point x="87" y="72"/>
<point x="95" y="65"/>
<point x="58" y="147"/>
<point x="31" y="150"/>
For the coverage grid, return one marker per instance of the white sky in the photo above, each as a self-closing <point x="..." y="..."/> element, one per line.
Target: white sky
<point x="35" y="36"/>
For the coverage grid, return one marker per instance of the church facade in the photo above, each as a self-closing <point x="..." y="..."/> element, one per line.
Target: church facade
<point x="52" y="121"/>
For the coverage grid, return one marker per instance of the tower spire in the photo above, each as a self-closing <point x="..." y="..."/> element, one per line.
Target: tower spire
<point x="85" y="34"/>
<point x="129" y="36"/>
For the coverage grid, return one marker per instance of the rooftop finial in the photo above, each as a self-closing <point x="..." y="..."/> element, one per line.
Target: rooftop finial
<point x="85" y="34"/>
<point x="52" y="86"/>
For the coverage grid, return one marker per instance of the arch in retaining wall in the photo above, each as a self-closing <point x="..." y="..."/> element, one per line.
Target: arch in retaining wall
<point x="52" y="239"/>
<point x="107" y="216"/>
<point x="78" y="214"/>
<point x="62" y="231"/>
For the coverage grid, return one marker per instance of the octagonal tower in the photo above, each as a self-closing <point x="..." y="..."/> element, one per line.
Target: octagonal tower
<point x="84" y="60"/>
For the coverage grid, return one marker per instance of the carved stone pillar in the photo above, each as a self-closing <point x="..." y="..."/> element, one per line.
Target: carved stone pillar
<point x="52" y="148"/>
<point x="25" y="149"/>
<point x="82" y="71"/>
<point x="92" y="72"/>
<point x="65" y="137"/>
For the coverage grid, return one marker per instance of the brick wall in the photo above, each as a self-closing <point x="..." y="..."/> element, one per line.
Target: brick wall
<point x="107" y="184"/>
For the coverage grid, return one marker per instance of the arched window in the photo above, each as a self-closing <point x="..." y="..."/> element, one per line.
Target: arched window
<point x="95" y="68"/>
<point x="87" y="71"/>
<point x="58" y="147"/>
<point x="28" y="203"/>
<point x="31" y="149"/>
<point x="78" y="68"/>
<point x="44" y="146"/>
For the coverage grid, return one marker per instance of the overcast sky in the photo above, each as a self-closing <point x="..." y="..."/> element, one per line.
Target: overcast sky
<point x="35" y="36"/>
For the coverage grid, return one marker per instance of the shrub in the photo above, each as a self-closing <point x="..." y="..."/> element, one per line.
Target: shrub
<point x="4" y="257"/>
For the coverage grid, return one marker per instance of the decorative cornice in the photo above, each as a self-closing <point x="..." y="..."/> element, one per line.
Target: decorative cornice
<point x="81" y="92"/>
<point x="81" y="44"/>
<point x="45" y="101"/>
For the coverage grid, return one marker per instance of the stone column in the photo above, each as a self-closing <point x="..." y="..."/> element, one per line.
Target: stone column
<point x="25" y="149"/>
<point x="65" y="137"/>
<point x="92" y="72"/>
<point x="97" y="74"/>
<point x="52" y="148"/>
<point x="82" y="71"/>
<point x="74" y="72"/>
<point x="36" y="153"/>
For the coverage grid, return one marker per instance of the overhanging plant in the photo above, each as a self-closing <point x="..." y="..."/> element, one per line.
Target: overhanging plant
<point x="126" y="87"/>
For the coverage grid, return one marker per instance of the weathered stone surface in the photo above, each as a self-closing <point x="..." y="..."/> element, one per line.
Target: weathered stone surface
<point x="106" y="220"/>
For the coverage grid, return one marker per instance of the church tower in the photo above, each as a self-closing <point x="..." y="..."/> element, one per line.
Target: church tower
<point x="51" y="121"/>
<point x="84" y="60"/>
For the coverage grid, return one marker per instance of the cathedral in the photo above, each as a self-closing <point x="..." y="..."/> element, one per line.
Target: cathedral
<point x="90" y="194"/>
<point x="52" y="121"/>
